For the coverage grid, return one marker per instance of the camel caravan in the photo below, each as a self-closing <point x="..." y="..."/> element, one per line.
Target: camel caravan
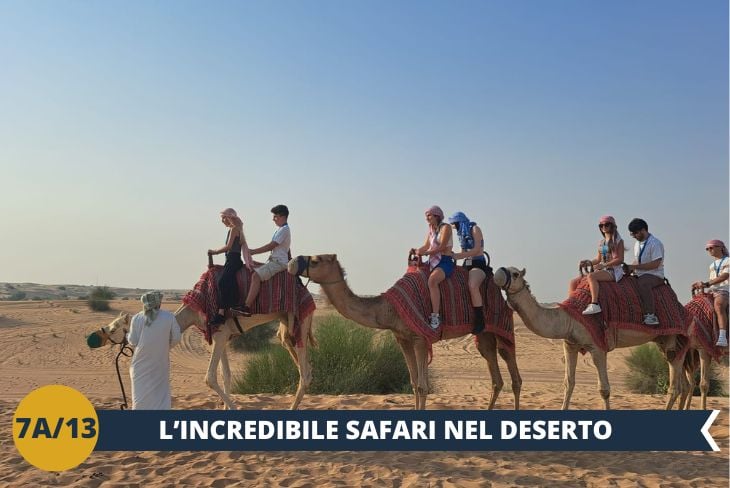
<point x="611" y="304"/>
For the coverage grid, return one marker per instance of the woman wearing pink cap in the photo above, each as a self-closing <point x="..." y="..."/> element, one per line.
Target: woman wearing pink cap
<point x="607" y="263"/>
<point x="439" y="249"/>
<point x="718" y="285"/>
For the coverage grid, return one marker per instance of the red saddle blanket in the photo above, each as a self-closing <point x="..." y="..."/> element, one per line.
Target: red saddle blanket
<point x="410" y="297"/>
<point x="622" y="310"/>
<point x="701" y="312"/>
<point x="282" y="293"/>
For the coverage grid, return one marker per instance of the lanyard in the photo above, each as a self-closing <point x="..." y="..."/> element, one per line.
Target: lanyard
<point x="719" y="266"/>
<point x="642" y="248"/>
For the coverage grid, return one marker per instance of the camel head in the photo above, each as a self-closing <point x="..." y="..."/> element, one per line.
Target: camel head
<point x="322" y="269"/>
<point x="510" y="280"/>
<point x="113" y="333"/>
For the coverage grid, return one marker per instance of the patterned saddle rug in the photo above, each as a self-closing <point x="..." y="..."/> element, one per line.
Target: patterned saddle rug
<point x="411" y="299"/>
<point x="622" y="310"/>
<point x="702" y="315"/>
<point x="282" y="293"/>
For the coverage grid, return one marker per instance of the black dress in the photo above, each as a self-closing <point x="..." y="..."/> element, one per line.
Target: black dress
<point x="228" y="294"/>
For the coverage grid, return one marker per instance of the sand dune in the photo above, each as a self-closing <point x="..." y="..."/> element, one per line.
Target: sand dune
<point x="43" y="343"/>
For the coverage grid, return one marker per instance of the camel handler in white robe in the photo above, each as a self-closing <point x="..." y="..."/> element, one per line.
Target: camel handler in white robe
<point x="152" y="333"/>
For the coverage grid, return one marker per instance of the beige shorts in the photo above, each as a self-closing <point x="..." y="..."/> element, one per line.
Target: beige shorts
<point x="269" y="269"/>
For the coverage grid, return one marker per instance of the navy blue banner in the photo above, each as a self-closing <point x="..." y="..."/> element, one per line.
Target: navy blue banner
<point x="389" y="430"/>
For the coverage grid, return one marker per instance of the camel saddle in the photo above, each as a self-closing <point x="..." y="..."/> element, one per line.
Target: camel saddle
<point x="282" y="293"/>
<point x="411" y="299"/>
<point x="703" y="326"/>
<point x="621" y="309"/>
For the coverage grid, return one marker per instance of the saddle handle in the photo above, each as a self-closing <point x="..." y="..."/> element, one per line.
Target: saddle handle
<point x="413" y="259"/>
<point x="210" y="260"/>
<point x="697" y="291"/>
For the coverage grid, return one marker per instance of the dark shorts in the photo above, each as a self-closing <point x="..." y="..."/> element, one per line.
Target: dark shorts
<point x="446" y="264"/>
<point x="478" y="264"/>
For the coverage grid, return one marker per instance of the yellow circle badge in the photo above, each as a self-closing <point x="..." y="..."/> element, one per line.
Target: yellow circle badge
<point x="55" y="428"/>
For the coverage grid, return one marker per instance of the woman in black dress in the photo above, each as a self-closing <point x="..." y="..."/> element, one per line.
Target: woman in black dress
<point x="228" y="293"/>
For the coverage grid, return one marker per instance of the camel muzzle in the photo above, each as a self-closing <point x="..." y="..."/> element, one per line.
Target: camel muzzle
<point x="299" y="265"/>
<point x="502" y="278"/>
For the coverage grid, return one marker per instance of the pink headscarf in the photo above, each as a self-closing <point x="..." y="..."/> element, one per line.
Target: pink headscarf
<point x="607" y="219"/>
<point x="436" y="210"/>
<point x="229" y="212"/>
<point x="717" y="243"/>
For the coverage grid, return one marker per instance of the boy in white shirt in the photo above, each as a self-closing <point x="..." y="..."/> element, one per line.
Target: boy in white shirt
<point x="278" y="259"/>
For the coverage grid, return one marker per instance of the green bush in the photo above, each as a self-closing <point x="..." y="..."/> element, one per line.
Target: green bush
<point x="17" y="296"/>
<point x="649" y="373"/>
<point x="349" y="359"/>
<point x="99" y="298"/>
<point x="257" y="338"/>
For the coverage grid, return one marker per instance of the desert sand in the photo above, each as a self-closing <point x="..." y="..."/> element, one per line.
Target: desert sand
<point x="42" y="342"/>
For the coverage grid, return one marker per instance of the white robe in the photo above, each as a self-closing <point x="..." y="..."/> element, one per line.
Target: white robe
<point x="150" y="367"/>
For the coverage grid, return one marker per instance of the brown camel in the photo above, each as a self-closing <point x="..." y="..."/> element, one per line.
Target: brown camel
<point x="556" y="323"/>
<point x="115" y="331"/>
<point x="697" y="354"/>
<point x="378" y="313"/>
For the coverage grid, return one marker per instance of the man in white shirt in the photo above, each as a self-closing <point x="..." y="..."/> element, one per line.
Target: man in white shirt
<point x="648" y="266"/>
<point x="152" y="333"/>
<point x="279" y="258"/>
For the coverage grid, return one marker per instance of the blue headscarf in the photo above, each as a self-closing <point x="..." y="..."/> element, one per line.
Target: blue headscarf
<point x="464" y="230"/>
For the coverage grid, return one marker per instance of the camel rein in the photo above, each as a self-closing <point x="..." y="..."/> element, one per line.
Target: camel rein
<point x="124" y="350"/>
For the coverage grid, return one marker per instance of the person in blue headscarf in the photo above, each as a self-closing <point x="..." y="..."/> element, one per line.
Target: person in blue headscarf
<point x="472" y="252"/>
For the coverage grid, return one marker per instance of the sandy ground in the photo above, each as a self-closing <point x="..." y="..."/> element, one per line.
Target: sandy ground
<point x="43" y="343"/>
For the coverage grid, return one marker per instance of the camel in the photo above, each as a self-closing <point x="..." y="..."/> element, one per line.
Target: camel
<point x="378" y="313"/>
<point x="696" y="354"/>
<point x="115" y="332"/>
<point x="555" y="323"/>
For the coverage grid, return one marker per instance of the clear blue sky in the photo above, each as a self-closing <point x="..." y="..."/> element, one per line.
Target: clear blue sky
<point x="127" y="126"/>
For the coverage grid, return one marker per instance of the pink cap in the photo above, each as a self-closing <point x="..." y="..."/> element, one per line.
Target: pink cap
<point x="435" y="210"/>
<point x="229" y="212"/>
<point x="607" y="219"/>
<point x="715" y="243"/>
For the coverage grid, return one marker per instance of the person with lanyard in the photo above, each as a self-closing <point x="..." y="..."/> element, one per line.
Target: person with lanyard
<point x="228" y="292"/>
<point x="152" y="333"/>
<point x="718" y="285"/>
<point x="278" y="259"/>
<point x="648" y="266"/>
<point x="607" y="263"/>
<point x="472" y="252"/>
<point x="439" y="249"/>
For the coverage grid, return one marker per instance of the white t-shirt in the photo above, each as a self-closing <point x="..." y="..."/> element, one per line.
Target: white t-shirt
<point x="723" y="265"/>
<point x="647" y="251"/>
<point x="280" y="253"/>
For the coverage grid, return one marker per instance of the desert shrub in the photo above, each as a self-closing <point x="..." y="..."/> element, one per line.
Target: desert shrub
<point x="257" y="338"/>
<point x="99" y="298"/>
<point x="17" y="296"/>
<point x="649" y="373"/>
<point x="349" y="359"/>
<point x="61" y="287"/>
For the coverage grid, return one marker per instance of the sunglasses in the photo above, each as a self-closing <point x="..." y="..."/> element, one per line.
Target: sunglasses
<point x="606" y="226"/>
<point x="710" y="248"/>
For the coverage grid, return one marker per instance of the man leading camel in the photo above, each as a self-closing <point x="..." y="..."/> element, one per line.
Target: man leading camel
<point x="278" y="259"/>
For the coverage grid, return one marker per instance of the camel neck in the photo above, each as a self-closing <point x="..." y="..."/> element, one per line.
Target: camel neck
<point x="360" y="309"/>
<point x="543" y="321"/>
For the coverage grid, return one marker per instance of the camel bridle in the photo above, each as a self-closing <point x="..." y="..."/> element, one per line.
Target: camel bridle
<point x="303" y="264"/>
<point x="508" y="282"/>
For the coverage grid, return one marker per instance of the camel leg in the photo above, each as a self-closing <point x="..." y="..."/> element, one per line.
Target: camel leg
<point x="406" y="345"/>
<point x="225" y="369"/>
<point x="299" y="355"/>
<point x="487" y="347"/>
<point x="421" y="350"/>
<point x="570" y="351"/>
<point x="514" y="373"/>
<point x="220" y="340"/>
<point x="690" y="365"/>
<point x="600" y="361"/>
<point x="705" y="364"/>
<point x="676" y="382"/>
